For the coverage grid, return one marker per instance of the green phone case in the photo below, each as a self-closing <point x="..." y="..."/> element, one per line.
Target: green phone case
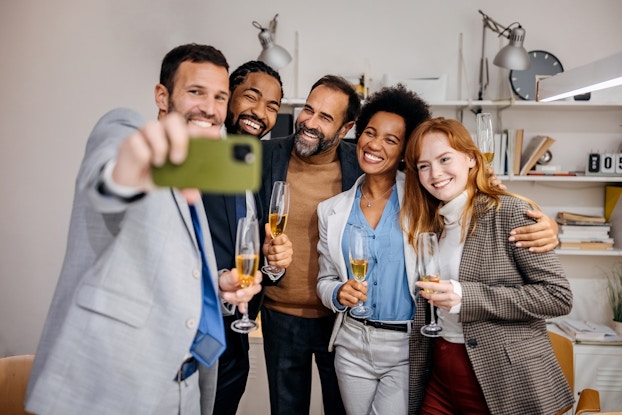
<point x="225" y="166"/>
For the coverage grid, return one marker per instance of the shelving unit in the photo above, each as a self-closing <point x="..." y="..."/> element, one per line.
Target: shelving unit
<point x="579" y="128"/>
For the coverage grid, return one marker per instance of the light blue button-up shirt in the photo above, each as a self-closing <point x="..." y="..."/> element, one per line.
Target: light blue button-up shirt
<point x="388" y="294"/>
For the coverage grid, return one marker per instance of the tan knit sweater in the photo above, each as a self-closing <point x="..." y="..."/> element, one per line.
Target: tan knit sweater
<point x="311" y="181"/>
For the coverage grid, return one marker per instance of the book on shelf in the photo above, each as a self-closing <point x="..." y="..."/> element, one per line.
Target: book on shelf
<point x="518" y="149"/>
<point x="584" y="232"/>
<point x="613" y="211"/>
<point x="537" y="146"/>
<point x="501" y="151"/>
<point x="586" y="245"/>
<point x="583" y="330"/>
<point x="514" y="149"/>
<point x="569" y="218"/>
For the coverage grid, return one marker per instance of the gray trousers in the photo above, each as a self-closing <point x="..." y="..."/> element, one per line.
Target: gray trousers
<point x="372" y="369"/>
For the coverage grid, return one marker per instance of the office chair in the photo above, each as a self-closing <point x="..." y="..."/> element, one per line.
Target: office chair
<point x="14" y="373"/>
<point x="589" y="399"/>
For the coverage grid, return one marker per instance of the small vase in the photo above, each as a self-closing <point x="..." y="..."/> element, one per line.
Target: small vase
<point x="617" y="326"/>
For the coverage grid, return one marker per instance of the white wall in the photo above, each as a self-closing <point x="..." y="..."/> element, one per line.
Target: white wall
<point x="65" y="62"/>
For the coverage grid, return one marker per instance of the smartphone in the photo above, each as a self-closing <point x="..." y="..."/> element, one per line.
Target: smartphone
<point x="227" y="166"/>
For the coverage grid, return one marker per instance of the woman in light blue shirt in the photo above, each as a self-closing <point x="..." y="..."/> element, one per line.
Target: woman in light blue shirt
<point x="371" y="355"/>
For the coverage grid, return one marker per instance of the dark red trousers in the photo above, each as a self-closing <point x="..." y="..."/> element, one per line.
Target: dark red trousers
<point x="453" y="388"/>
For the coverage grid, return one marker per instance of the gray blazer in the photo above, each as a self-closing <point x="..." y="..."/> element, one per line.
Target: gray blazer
<point x="332" y="218"/>
<point x="128" y="300"/>
<point x="508" y="293"/>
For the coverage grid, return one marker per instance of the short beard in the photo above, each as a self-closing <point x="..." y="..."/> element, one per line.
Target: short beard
<point x="237" y="127"/>
<point x="304" y="149"/>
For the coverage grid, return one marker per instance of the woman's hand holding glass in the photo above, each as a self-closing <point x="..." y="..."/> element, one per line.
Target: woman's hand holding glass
<point x="351" y="293"/>
<point x="441" y="293"/>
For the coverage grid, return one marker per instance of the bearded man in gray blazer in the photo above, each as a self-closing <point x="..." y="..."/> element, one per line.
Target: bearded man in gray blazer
<point x="130" y="297"/>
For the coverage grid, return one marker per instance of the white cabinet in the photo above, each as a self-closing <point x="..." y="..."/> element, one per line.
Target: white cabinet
<point x="600" y="368"/>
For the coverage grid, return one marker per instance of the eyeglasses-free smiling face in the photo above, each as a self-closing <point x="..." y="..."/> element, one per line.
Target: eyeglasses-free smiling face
<point x="443" y="171"/>
<point x="320" y="124"/>
<point x="254" y="105"/>
<point x="381" y="144"/>
<point x="200" y="94"/>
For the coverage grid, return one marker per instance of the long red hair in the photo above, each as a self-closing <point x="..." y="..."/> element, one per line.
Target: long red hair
<point x="419" y="212"/>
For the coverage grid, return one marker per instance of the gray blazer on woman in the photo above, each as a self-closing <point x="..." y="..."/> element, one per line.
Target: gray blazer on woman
<point x="128" y="300"/>
<point x="508" y="293"/>
<point x="332" y="218"/>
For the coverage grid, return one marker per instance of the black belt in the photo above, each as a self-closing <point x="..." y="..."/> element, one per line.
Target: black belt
<point x="187" y="369"/>
<point x="380" y="325"/>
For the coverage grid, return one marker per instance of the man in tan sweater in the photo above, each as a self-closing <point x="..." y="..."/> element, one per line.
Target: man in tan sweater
<point x="317" y="165"/>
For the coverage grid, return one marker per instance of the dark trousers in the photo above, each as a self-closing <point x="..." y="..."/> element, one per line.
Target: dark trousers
<point x="453" y="388"/>
<point x="233" y="368"/>
<point x="289" y="346"/>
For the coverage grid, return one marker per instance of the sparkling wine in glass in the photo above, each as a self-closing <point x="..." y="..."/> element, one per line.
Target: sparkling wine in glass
<point x="279" y="209"/>
<point x="358" y="253"/>
<point x="429" y="271"/>
<point x="247" y="262"/>
<point x="485" y="136"/>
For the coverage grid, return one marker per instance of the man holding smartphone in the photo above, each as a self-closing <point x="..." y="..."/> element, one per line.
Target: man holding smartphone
<point x="137" y="307"/>
<point x="256" y="93"/>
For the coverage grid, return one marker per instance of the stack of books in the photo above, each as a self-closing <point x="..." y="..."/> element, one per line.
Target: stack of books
<point x="578" y="231"/>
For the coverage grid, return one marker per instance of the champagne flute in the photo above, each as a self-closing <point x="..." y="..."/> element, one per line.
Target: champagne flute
<point x="279" y="209"/>
<point x="429" y="271"/>
<point x="246" y="261"/>
<point x="485" y="136"/>
<point x="358" y="254"/>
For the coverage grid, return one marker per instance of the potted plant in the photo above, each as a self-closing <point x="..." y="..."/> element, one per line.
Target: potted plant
<point x="614" y="293"/>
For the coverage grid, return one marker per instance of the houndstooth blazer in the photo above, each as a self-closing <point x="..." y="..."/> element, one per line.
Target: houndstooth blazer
<point x="508" y="293"/>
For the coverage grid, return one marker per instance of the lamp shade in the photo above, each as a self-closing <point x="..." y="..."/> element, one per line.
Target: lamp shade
<point x="513" y="55"/>
<point x="272" y="55"/>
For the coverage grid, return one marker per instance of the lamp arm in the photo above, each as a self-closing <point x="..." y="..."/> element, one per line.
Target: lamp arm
<point x="497" y="27"/>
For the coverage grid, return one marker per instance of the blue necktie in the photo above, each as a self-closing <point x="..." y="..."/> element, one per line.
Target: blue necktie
<point x="240" y="206"/>
<point x="209" y="342"/>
